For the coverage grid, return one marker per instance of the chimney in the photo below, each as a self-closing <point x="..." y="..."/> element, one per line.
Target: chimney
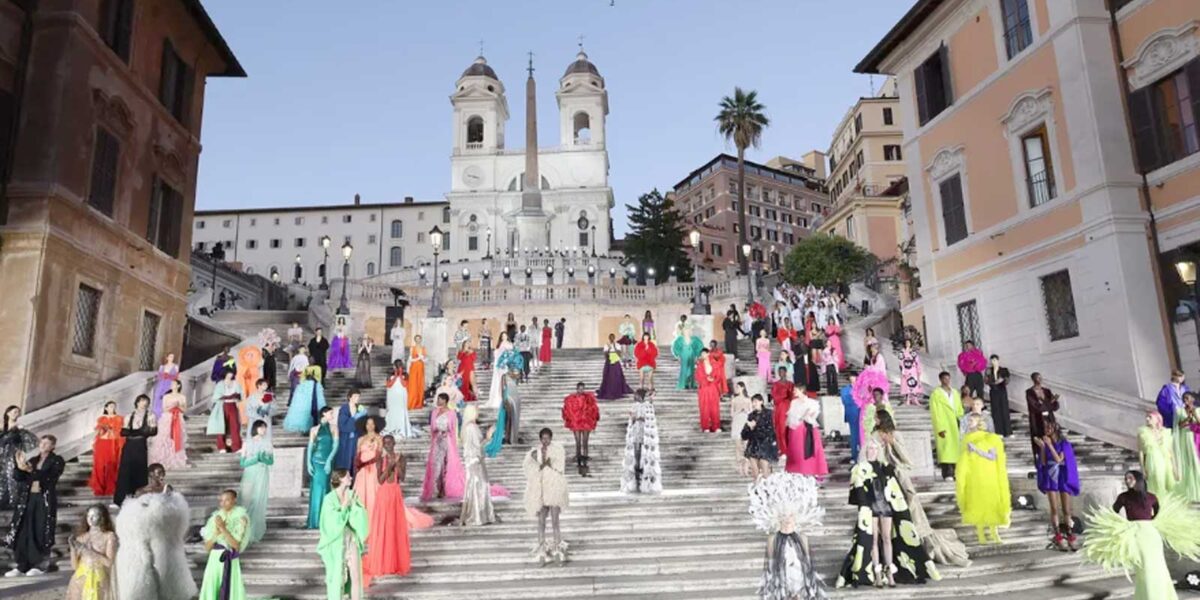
<point x="357" y="199"/>
<point x="408" y="199"/>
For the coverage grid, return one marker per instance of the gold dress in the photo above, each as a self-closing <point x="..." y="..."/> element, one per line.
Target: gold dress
<point x="93" y="561"/>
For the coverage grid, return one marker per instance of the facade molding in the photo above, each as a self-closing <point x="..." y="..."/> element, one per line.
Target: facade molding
<point x="1028" y="108"/>
<point x="1161" y="53"/>
<point x="946" y="161"/>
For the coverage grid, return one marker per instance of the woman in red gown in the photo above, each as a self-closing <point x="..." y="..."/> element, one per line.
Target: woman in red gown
<point x="389" y="552"/>
<point x="580" y="414"/>
<point x="646" y="352"/>
<point x="466" y="372"/>
<point x="106" y="451"/>
<point x="544" y="349"/>
<point x="709" y="394"/>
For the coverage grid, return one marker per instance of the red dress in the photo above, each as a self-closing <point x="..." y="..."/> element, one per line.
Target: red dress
<point x="709" y="395"/>
<point x="785" y="335"/>
<point x="781" y="395"/>
<point x="544" y="351"/>
<point x="466" y="368"/>
<point x="646" y="354"/>
<point x="389" y="552"/>
<point x="106" y="455"/>
<point x="580" y="412"/>
<point x="718" y="361"/>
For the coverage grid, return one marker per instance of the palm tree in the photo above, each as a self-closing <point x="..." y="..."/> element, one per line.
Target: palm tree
<point x="742" y="121"/>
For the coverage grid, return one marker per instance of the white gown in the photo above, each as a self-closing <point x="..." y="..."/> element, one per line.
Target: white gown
<point x="496" y="390"/>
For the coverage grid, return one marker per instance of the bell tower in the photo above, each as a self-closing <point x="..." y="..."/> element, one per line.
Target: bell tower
<point x="582" y="104"/>
<point x="480" y="110"/>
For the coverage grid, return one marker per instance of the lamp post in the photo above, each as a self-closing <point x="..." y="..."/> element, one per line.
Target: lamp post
<point x="325" y="262"/>
<point x="694" y="238"/>
<point x="275" y="277"/>
<point x="298" y="268"/>
<point x="1187" y="272"/>
<point x="593" y="241"/>
<point x="435" y="303"/>
<point x="217" y="255"/>
<point x="347" y="250"/>
<point x="749" y="273"/>
<point x="489" y="243"/>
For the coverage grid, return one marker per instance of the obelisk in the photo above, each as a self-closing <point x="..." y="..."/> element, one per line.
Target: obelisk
<point x="531" y="220"/>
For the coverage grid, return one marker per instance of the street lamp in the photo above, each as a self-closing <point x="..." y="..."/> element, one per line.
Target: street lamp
<point x="749" y="274"/>
<point x="325" y="262"/>
<point x="489" y="243"/>
<point x="218" y="256"/>
<point x="466" y="274"/>
<point x="298" y="268"/>
<point x="1187" y="272"/>
<point x="435" y="303"/>
<point x="347" y="250"/>
<point x="694" y="238"/>
<point x="593" y="241"/>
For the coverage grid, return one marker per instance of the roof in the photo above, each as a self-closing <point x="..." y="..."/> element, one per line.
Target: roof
<point x="343" y="207"/>
<point x="582" y="65"/>
<point x="480" y="68"/>
<point x="233" y="68"/>
<point x="723" y="156"/>
<point x="896" y="36"/>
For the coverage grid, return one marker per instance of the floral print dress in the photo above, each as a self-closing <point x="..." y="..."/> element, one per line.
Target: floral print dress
<point x="869" y="481"/>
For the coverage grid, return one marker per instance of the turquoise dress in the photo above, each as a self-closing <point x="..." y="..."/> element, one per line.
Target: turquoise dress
<point x="493" y="447"/>
<point x="257" y="458"/>
<point x="687" y="349"/>
<point x="306" y="405"/>
<point x="320" y="464"/>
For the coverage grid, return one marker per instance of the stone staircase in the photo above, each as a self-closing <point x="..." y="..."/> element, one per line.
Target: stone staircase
<point x="694" y="541"/>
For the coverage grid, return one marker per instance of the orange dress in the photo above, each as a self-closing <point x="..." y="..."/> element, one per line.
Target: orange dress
<point x="366" y="478"/>
<point x="416" y="377"/>
<point x="388" y="552"/>
<point x="106" y="454"/>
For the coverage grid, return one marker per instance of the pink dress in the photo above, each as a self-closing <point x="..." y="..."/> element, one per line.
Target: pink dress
<point x="833" y="334"/>
<point x="805" y="453"/>
<point x="366" y="479"/>
<point x="874" y="375"/>
<point x="910" y="375"/>
<point x="762" y="349"/>
<point x="444" y="464"/>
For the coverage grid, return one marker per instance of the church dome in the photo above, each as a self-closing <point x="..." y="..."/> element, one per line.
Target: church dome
<point x="582" y="65"/>
<point x="481" y="68"/>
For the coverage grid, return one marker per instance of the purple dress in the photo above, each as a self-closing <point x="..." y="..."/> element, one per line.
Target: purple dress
<point x="339" y="353"/>
<point x="162" y="385"/>
<point x="1058" y="477"/>
<point x="612" y="384"/>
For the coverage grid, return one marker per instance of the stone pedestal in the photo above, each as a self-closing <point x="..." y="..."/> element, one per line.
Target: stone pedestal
<point x="833" y="415"/>
<point x="919" y="448"/>
<point x="702" y="327"/>
<point x="287" y="474"/>
<point x="435" y="333"/>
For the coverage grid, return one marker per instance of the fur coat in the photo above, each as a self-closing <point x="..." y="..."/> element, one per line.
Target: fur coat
<point x="151" y="562"/>
<point x="641" y="451"/>
<point x="545" y="486"/>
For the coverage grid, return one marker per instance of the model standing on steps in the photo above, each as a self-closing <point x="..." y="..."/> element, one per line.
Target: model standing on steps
<point x="477" y="508"/>
<point x="546" y="494"/>
<point x="648" y="326"/>
<point x="686" y="348"/>
<point x="739" y="410"/>
<point x="93" y="553"/>
<point x="1156" y="454"/>
<point x="1058" y="479"/>
<point x="226" y="536"/>
<point x="762" y="449"/>
<point x="343" y="538"/>
<point x="362" y="373"/>
<point x="389" y="551"/>
<point x="416" y="375"/>
<point x="626" y="334"/>
<point x="580" y="414"/>
<point x="347" y="424"/>
<point x="366" y="460"/>
<point x="106" y="451"/>
<point x="785" y="506"/>
<point x="1187" y="452"/>
<point x="256" y="459"/>
<point x="139" y="427"/>
<point x="612" y="380"/>
<point x="945" y="409"/>
<point x="466" y="371"/>
<point x="399" y="340"/>
<point x="981" y="483"/>
<point x="545" y="350"/>
<point x="762" y="350"/>
<point x="322" y="445"/>
<point x="225" y="416"/>
<point x="169" y="446"/>
<point x="646" y="353"/>
<point x="484" y="352"/>
<point x="910" y="375"/>
<point x="307" y="402"/>
<point x="167" y="372"/>
<point x="339" y="352"/>
<point x="444" y="476"/>
<point x="708" y="393"/>
<point x="640" y="468"/>
<point x="996" y="378"/>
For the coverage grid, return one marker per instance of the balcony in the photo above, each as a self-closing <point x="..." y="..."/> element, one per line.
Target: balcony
<point x="1041" y="188"/>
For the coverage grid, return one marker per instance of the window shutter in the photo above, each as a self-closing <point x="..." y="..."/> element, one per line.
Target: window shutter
<point x="123" y="28"/>
<point x="172" y="217"/>
<point x="168" y="76"/>
<point x="1145" y="129"/>
<point x="944" y="63"/>
<point x="1193" y="75"/>
<point x="152" y="220"/>
<point x="922" y="96"/>
<point x="185" y="89"/>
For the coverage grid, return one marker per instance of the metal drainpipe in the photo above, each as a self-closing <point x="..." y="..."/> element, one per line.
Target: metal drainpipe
<point x="1144" y="189"/>
<point x="23" y="54"/>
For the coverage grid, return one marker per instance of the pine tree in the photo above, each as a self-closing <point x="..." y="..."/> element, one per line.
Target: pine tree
<point x="657" y="238"/>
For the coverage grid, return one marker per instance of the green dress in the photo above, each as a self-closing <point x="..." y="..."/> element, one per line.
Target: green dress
<point x="1157" y="450"/>
<point x="238" y="524"/>
<point x="687" y="349"/>
<point x="337" y="522"/>
<point x="320" y="464"/>
<point x="946" y="409"/>
<point x="256" y="482"/>
<point x="1189" y="461"/>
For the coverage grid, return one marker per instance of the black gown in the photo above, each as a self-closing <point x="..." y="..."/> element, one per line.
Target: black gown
<point x="318" y="350"/>
<point x="132" y="473"/>
<point x="35" y="515"/>
<point x="268" y="368"/>
<point x="998" y="395"/>
<point x="732" y="325"/>
<point x="362" y="372"/>
<point x="12" y="440"/>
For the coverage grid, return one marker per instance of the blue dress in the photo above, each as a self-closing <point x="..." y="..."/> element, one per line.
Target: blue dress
<point x="852" y="418"/>
<point x="493" y="447"/>
<point x="347" y="437"/>
<point x="306" y="405"/>
<point x="256" y="482"/>
<point x="318" y="462"/>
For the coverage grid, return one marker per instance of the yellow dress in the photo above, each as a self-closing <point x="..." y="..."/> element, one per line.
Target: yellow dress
<point x="981" y="485"/>
<point x="93" y="579"/>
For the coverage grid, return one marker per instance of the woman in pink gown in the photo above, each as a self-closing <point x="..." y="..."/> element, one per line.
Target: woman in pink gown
<point x="366" y="462"/>
<point x="444" y="474"/>
<point x="805" y="453"/>
<point x="910" y="375"/>
<point x="833" y="335"/>
<point x="874" y="376"/>
<point x="762" y="350"/>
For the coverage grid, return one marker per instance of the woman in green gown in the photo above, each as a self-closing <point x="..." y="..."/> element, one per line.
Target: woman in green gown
<point x="257" y="456"/>
<point x="686" y="348"/>
<point x="322" y="446"/>
<point x="1187" y="422"/>
<point x="343" y="538"/>
<point x="1156" y="453"/>
<point x="225" y="536"/>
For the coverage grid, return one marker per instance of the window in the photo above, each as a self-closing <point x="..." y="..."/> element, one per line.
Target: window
<point x="446" y="214"/>
<point x="253" y="222"/>
<point x="716" y="250"/>
<point x="420" y="215"/>
<point x="371" y="218"/>
<point x="175" y="83"/>
<point x="584" y="240"/>
<point x="892" y="152"/>
<point x="371" y="239"/>
<point x="1017" y="32"/>
<point x="815" y="207"/>
<point x="932" y="83"/>
<point x="709" y="212"/>
<point x="370" y="268"/>
<point x="397" y="229"/>
<point x="105" y="159"/>
<point x="227" y="243"/>
<point x="324" y="220"/>
<point x="473" y="243"/>
<point x="346" y="239"/>
<point x="420" y="237"/>
<point x="1164" y="118"/>
<point x="148" y="346"/>
<point x="858" y="124"/>
<point x="299" y="220"/>
<point x="1039" y="179"/>
<point x="850" y="228"/>
<point x="227" y="223"/>
<point x="251" y="244"/>
<point x="1059" y="304"/>
<point x="347" y="218"/>
<point x="166" y="218"/>
<point x="199" y="246"/>
<point x="475" y="132"/>
<point x="887" y="116"/>
<point x="968" y="323"/>
<point x="199" y="224"/>
<point x="954" y="216"/>
<point x="789" y="238"/>
<point x="276" y="221"/>
<point x="395" y="256"/>
<point x="755" y="211"/>
<point x="299" y="243"/>
<point x="446" y="239"/>
<point x="275" y="244"/>
<point x="755" y="232"/>
<point x="116" y="25"/>
<point x="87" y="314"/>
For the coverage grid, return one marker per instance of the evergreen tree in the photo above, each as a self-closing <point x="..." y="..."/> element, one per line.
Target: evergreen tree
<point x="824" y="260"/>
<point x="657" y="238"/>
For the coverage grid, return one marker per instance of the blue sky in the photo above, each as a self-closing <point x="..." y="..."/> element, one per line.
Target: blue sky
<point x="355" y="99"/>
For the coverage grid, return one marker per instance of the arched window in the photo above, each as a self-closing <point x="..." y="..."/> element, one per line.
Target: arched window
<point x="370" y="268"/>
<point x="475" y="132"/>
<point x="583" y="128"/>
<point x="395" y="256"/>
<point x="397" y="228"/>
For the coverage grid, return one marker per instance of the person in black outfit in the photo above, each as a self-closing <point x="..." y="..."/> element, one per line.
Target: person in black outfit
<point x="139" y="427"/>
<point x="996" y="377"/>
<point x="34" y="520"/>
<point x="268" y="365"/>
<point x="318" y="350"/>
<point x="731" y="326"/>
<point x="559" y="328"/>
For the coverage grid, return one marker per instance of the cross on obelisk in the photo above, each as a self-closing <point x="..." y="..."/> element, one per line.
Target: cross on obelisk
<point x="531" y="64"/>
<point x="581" y="36"/>
<point x="481" y="47"/>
